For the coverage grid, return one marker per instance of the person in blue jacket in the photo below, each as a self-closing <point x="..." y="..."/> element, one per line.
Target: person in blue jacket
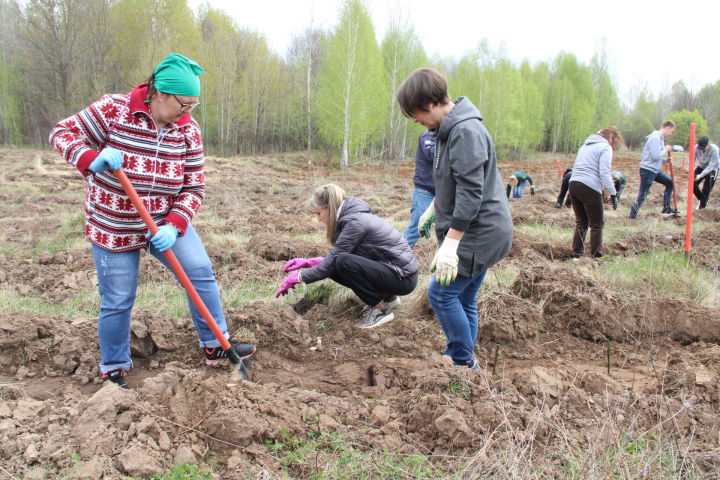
<point x="424" y="190"/>
<point x="654" y="154"/>
<point x="368" y="255"/>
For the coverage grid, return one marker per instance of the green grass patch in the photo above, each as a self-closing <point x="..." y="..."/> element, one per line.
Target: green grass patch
<point x="86" y="303"/>
<point x="546" y="232"/>
<point x="247" y="292"/>
<point x="186" y="472"/>
<point x="661" y="272"/>
<point x="69" y="236"/>
<point x="164" y="298"/>
<point x="336" y="457"/>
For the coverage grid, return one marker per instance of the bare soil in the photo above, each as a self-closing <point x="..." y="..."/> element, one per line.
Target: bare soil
<point x="543" y="339"/>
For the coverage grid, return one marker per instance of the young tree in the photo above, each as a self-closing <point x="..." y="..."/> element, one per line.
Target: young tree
<point x="304" y="61"/>
<point x="682" y="120"/>
<point x="10" y="75"/>
<point x="640" y="121"/>
<point x="402" y="53"/>
<point x="607" y="108"/>
<point x="351" y="80"/>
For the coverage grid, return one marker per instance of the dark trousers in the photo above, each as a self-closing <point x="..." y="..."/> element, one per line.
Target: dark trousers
<point x="371" y="280"/>
<point x="588" y="207"/>
<point x="564" y="188"/>
<point x="708" y="181"/>
<point x="647" y="177"/>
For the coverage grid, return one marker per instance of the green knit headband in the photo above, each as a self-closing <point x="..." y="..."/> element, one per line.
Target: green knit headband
<point x="178" y="75"/>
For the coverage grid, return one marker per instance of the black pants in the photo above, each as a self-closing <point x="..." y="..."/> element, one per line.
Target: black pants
<point x="708" y="181"/>
<point x="564" y="188"/>
<point x="588" y="207"/>
<point x="371" y="280"/>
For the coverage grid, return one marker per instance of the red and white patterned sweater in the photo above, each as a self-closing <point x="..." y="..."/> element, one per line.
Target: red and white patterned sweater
<point x="166" y="168"/>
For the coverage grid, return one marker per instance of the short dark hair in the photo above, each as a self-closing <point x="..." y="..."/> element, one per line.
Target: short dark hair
<point x="668" y="123"/>
<point x="422" y="87"/>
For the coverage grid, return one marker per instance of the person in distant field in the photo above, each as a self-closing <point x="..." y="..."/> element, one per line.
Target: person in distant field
<point x="564" y="185"/>
<point x="619" y="181"/>
<point x="150" y="134"/>
<point x="424" y="190"/>
<point x="591" y="185"/>
<point x="473" y="221"/>
<point x="706" y="169"/>
<point x="368" y="255"/>
<point x="517" y="183"/>
<point x="654" y="154"/>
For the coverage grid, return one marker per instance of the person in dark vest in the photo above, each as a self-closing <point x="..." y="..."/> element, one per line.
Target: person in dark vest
<point x="368" y="255"/>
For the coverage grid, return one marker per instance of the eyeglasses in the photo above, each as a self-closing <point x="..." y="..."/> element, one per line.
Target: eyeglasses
<point x="186" y="107"/>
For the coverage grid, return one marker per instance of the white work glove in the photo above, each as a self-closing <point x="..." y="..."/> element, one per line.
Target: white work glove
<point x="445" y="263"/>
<point x="427" y="219"/>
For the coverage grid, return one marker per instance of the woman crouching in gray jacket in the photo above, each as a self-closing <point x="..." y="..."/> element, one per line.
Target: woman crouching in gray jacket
<point x="590" y="185"/>
<point x="368" y="255"/>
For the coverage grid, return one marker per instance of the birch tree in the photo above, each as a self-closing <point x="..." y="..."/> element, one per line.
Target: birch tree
<point x="351" y="81"/>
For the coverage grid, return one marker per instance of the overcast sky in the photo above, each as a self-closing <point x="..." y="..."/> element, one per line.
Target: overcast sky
<point x="654" y="43"/>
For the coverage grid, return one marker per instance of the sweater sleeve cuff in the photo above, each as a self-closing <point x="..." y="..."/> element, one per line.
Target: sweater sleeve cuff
<point x="178" y="221"/>
<point x="458" y="224"/>
<point x="85" y="160"/>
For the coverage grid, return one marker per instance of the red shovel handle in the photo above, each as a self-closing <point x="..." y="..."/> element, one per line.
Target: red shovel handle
<point x="672" y="178"/>
<point x="172" y="259"/>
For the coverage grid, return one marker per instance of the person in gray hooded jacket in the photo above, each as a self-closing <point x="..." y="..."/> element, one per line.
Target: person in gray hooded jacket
<point x="473" y="221"/>
<point x="591" y="184"/>
<point x="368" y="255"/>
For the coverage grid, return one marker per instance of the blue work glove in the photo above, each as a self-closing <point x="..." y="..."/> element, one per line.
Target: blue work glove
<point x="108" y="158"/>
<point x="164" y="238"/>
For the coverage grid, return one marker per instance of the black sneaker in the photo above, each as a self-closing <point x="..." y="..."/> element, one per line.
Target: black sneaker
<point x="376" y="317"/>
<point x="668" y="211"/>
<point x="117" y="377"/>
<point x="558" y="205"/>
<point x="215" y="357"/>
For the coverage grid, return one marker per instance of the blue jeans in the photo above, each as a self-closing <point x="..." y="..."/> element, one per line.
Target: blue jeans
<point x="647" y="178"/>
<point x="421" y="200"/>
<point x="518" y="189"/>
<point x="455" y="307"/>
<point x="117" y="275"/>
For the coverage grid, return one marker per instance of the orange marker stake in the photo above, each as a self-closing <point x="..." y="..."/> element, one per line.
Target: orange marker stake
<point x="691" y="185"/>
<point x="560" y="170"/>
<point x="672" y="178"/>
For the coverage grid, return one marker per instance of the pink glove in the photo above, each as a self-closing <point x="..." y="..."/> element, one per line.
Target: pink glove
<point x="288" y="282"/>
<point x="298" y="263"/>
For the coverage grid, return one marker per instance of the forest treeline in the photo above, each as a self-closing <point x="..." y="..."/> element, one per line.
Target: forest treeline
<point x="332" y="90"/>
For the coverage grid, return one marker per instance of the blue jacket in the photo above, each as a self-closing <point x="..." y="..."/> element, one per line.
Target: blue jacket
<point x="654" y="153"/>
<point x="592" y="165"/>
<point x="424" y="162"/>
<point x="359" y="232"/>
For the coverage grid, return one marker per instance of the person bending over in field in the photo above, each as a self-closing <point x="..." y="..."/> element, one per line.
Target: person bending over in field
<point x="150" y="134"/>
<point x="473" y="222"/>
<point x="517" y="183"/>
<point x="619" y="181"/>
<point x="368" y="255"/>
<point x="708" y="164"/>
<point x="590" y="185"/>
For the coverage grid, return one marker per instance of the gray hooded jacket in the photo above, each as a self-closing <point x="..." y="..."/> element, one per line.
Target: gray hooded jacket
<point x="359" y="232"/>
<point x="592" y="164"/>
<point x="469" y="194"/>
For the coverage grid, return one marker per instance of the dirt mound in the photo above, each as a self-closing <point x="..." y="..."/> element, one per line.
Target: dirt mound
<point x="506" y="318"/>
<point x="706" y="248"/>
<point x="523" y="243"/>
<point x="642" y="242"/>
<point x="274" y="247"/>
<point x="572" y="301"/>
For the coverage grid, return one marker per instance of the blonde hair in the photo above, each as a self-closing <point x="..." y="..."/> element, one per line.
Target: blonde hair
<point x="328" y="196"/>
<point x="613" y="136"/>
<point x="513" y="180"/>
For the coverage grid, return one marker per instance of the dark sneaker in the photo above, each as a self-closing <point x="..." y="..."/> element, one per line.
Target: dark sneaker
<point x="117" y="377"/>
<point x="558" y="205"/>
<point x="215" y="357"/>
<point x="668" y="211"/>
<point x="376" y="317"/>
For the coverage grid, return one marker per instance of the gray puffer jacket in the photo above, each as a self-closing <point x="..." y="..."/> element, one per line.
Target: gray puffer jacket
<point x="469" y="194"/>
<point x="361" y="233"/>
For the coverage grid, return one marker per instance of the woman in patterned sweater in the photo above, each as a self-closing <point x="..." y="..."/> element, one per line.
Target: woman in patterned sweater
<point x="150" y="134"/>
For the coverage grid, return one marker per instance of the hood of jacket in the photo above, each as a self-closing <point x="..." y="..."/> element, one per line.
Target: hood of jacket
<point x="463" y="110"/>
<point x="352" y="206"/>
<point x="595" y="138"/>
